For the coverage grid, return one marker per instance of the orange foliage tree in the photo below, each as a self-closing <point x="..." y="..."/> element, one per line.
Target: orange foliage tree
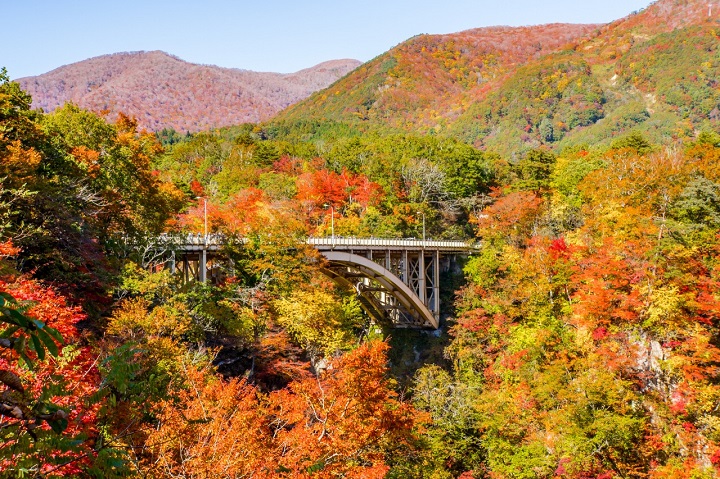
<point x="348" y="422"/>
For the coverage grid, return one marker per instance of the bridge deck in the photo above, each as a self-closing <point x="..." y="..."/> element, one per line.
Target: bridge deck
<point x="410" y="244"/>
<point x="396" y="279"/>
<point x="197" y="242"/>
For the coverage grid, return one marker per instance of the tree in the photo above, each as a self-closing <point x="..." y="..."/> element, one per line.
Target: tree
<point x="534" y="170"/>
<point x="52" y="400"/>
<point x="319" y="321"/>
<point x="546" y="130"/>
<point x="348" y="422"/>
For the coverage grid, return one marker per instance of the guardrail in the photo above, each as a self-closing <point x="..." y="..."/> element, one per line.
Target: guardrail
<point x="390" y="242"/>
<point x="217" y="240"/>
<point x="194" y="239"/>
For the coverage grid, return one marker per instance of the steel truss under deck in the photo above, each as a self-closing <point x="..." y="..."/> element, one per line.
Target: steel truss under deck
<point x="397" y="281"/>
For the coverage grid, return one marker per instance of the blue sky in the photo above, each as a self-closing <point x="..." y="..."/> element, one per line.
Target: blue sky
<point x="261" y="35"/>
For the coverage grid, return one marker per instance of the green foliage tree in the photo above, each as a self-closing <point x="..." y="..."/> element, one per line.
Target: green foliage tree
<point x="320" y="322"/>
<point x="534" y="170"/>
<point x="634" y="142"/>
<point x="698" y="204"/>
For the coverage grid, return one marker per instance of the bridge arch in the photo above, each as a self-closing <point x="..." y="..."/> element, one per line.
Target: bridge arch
<point x="383" y="295"/>
<point x="397" y="279"/>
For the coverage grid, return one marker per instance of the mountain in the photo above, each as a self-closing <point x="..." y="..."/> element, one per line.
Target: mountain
<point x="164" y="91"/>
<point x="512" y="89"/>
<point x="429" y="80"/>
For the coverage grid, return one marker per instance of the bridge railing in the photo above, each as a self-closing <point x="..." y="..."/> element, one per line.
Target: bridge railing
<point x="404" y="243"/>
<point x="195" y="240"/>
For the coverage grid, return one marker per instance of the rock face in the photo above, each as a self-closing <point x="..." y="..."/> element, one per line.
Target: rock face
<point x="164" y="91"/>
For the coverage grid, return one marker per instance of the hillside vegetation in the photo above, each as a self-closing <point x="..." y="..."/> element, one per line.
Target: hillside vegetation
<point x="162" y="91"/>
<point x="509" y="90"/>
<point x="584" y="342"/>
<point x="426" y="82"/>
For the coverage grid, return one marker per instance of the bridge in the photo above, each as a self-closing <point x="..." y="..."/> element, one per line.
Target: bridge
<point x="397" y="281"/>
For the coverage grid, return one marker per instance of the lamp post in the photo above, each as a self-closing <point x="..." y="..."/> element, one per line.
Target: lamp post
<point x="332" y="224"/>
<point x="203" y="255"/>
<point x="332" y="221"/>
<point x="204" y="198"/>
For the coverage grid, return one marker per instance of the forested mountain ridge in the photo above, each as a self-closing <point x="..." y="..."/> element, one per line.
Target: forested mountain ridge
<point x="510" y="90"/>
<point x="429" y="80"/>
<point x="163" y="91"/>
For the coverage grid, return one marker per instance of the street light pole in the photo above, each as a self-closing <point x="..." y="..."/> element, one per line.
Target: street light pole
<point x="423" y="215"/>
<point x="332" y="221"/>
<point x="203" y="255"/>
<point x="204" y="198"/>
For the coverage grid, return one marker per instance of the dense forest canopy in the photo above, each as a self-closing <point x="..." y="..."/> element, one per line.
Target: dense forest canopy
<point x="581" y="341"/>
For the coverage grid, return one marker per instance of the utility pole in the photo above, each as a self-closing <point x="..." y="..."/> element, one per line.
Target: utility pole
<point x="332" y="222"/>
<point x="203" y="255"/>
<point x="423" y="215"/>
<point x="204" y="198"/>
<point x="205" y="216"/>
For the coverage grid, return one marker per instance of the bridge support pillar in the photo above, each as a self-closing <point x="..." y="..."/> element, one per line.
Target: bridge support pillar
<point x="203" y="266"/>
<point x="421" y="279"/>
<point x="436" y="285"/>
<point x="405" y="277"/>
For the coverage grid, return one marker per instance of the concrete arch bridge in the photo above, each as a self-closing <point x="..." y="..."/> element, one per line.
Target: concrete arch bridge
<point x="397" y="281"/>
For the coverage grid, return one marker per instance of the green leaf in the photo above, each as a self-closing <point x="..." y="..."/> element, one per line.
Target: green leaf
<point x="55" y="334"/>
<point x="48" y="341"/>
<point x="9" y="331"/>
<point x="6" y="297"/>
<point x="116" y="462"/>
<point x="38" y="347"/>
<point x="99" y="394"/>
<point x="58" y="425"/>
<point x="317" y="467"/>
<point x="18" y="318"/>
<point x="20" y="345"/>
<point x="28" y="362"/>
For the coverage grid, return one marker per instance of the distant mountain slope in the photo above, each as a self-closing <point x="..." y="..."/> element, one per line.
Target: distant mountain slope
<point x="163" y="91"/>
<point x="511" y="89"/>
<point x="429" y="80"/>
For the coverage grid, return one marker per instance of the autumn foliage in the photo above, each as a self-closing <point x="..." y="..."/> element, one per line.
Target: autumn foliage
<point x="346" y="423"/>
<point x="185" y="96"/>
<point x="583" y="342"/>
<point x="61" y="388"/>
<point x="597" y="336"/>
